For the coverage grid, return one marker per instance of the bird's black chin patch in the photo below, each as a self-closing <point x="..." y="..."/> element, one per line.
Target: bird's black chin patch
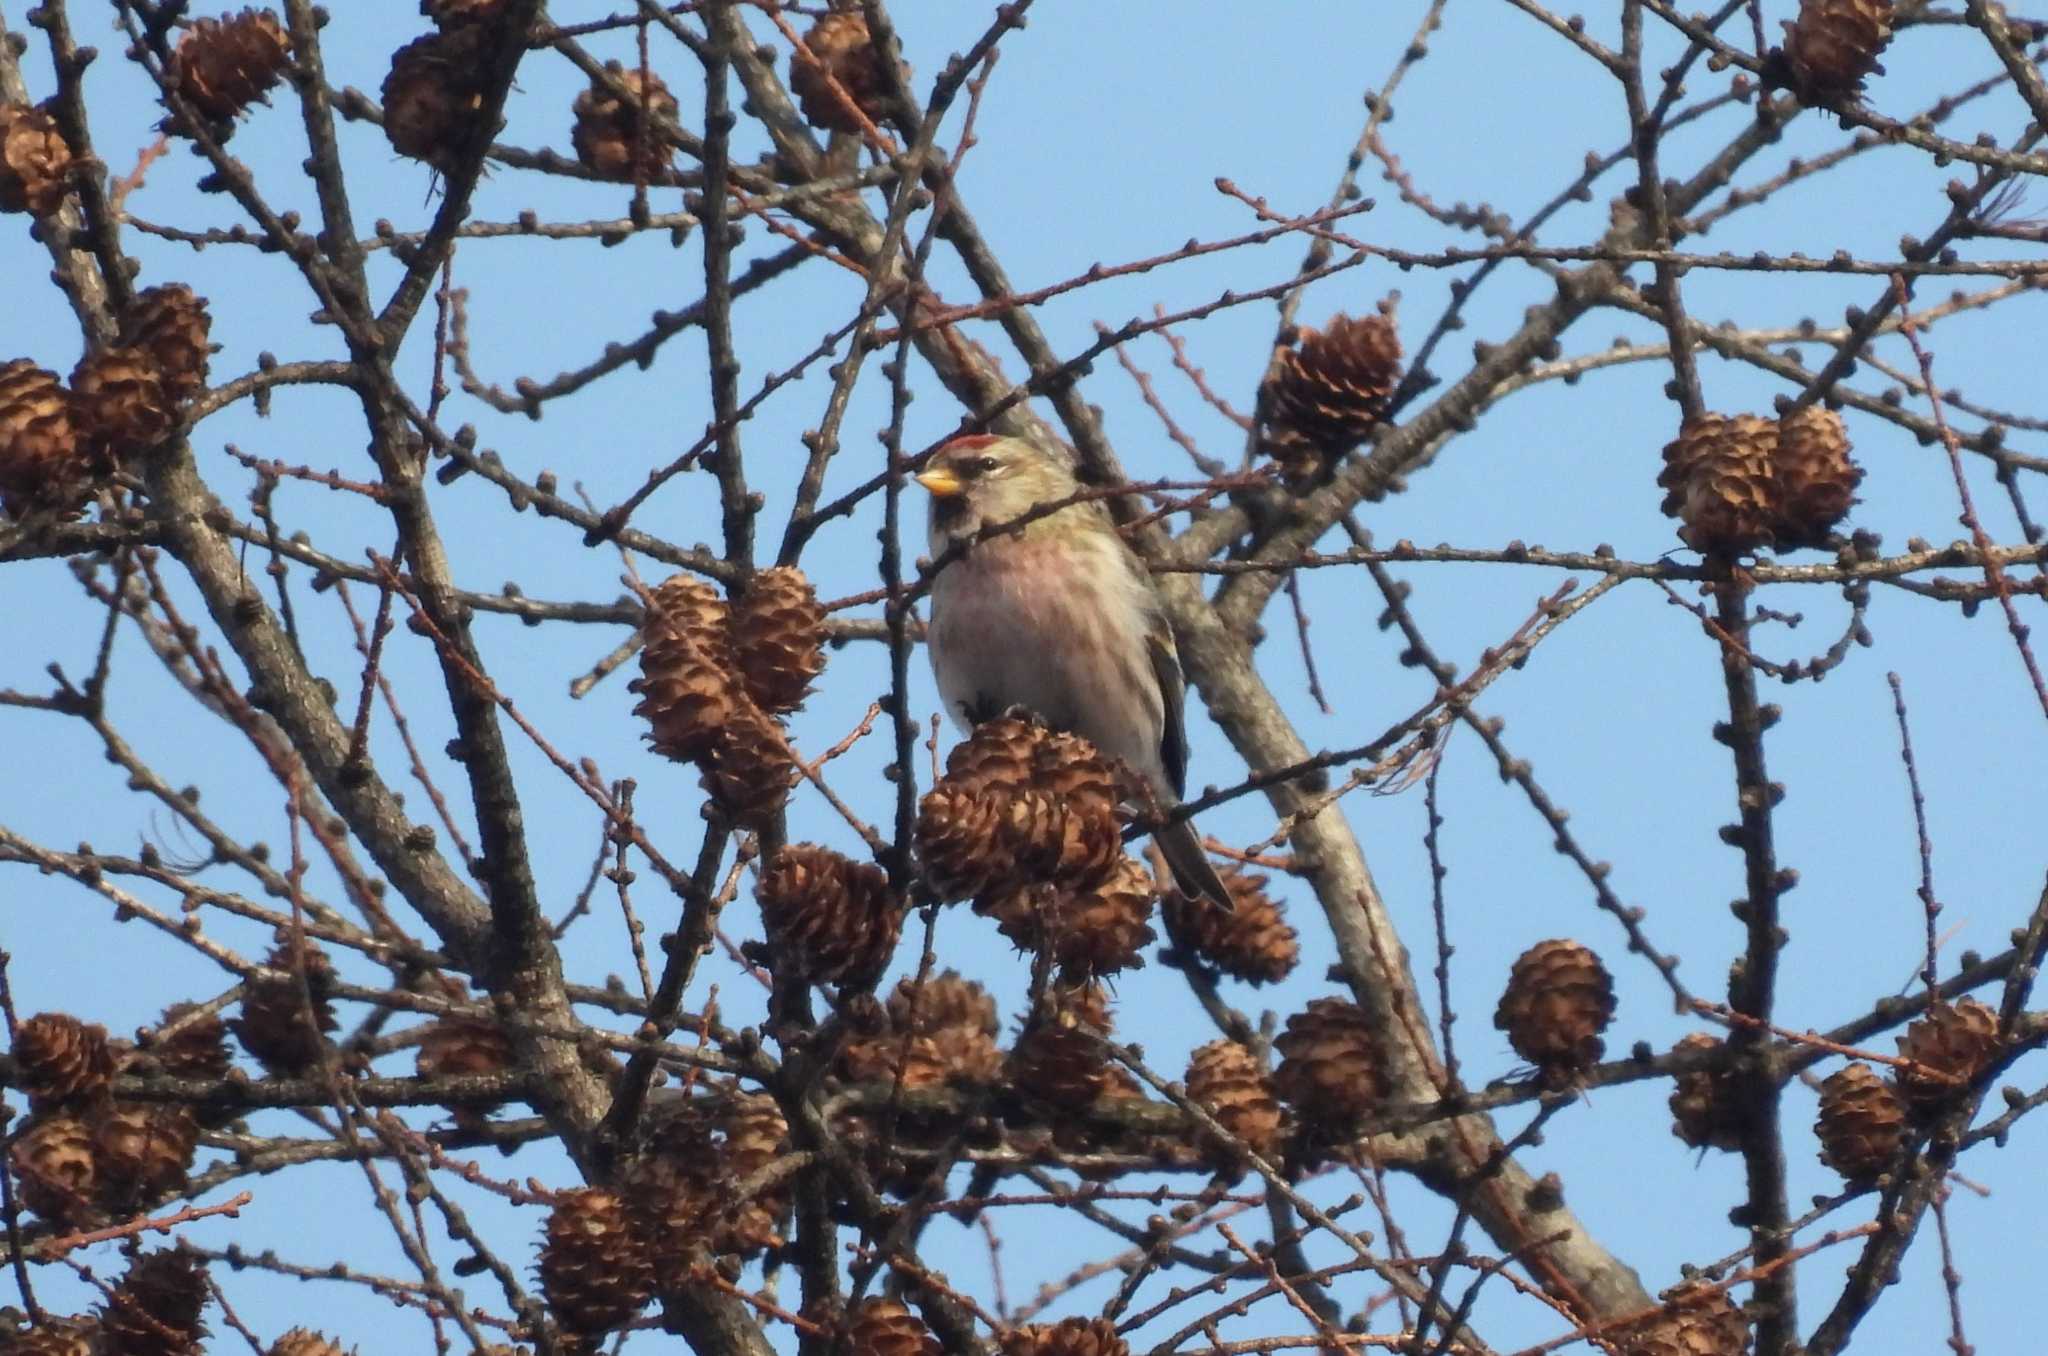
<point x="950" y="512"/>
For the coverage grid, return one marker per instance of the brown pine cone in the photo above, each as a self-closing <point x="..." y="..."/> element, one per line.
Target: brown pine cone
<point x="1861" y="1123"/>
<point x="755" y="1136"/>
<point x="1252" y="941"/>
<point x="613" y="139"/>
<point x="1948" y="1048"/>
<point x="143" y="1151"/>
<point x="882" y="1327"/>
<point x="435" y="93"/>
<point x="1695" y="1322"/>
<point x="459" y="1046"/>
<point x="596" y="1268"/>
<point x="962" y="840"/>
<point x="999" y="755"/>
<point x="1705" y="1113"/>
<point x="778" y="637"/>
<point x="893" y="1057"/>
<point x="943" y="1002"/>
<point x="1018" y="804"/>
<point x="1836" y="43"/>
<point x="750" y="769"/>
<point x="683" y="609"/>
<point x="224" y="65"/>
<point x="171" y="324"/>
<point x="755" y="1133"/>
<point x="839" y="43"/>
<point x="275" y="1024"/>
<point x="685" y="1188"/>
<point x="1329" y="1063"/>
<point x="56" y="1172"/>
<point x="1817" y="480"/>
<point x="196" y="1047"/>
<point x="155" y="1309"/>
<point x="122" y="407"/>
<point x="1559" y="998"/>
<point x="1075" y="832"/>
<point x="70" y="1336"/>
<point x="1720" y="482"/>
<point x="687" y="700"/>
<point x="1093" y="927"/>
<point x="307" y="1342"/>
<point x="687" y="691"/>
<point x="672" y="1197"/>
<point x="44" y="458"/>
<point x="828" y="918"/>
<point x="1067" y="767"/>
<point x="60" y="1061"/>
<point x="1059" y="1057"/>
<point x="1328" y="392"/>
<point x="35" y="161"/>
<point x="941" y="1032"/>
<point x="963" y="1048"/>
<point x="1068" y="1337"/>
<point x="1224" y="1078"/>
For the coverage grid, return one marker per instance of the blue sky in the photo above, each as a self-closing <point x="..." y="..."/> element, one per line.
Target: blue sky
<point x="1100" y="137"/>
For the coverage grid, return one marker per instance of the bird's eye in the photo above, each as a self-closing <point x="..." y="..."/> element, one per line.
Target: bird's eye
<point x="986" y="464"/>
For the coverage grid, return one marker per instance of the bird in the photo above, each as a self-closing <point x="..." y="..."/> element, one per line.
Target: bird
<point x="1059" y="617"/>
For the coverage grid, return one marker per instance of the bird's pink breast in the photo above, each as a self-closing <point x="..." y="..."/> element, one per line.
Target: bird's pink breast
<point x="1055" y="627"/>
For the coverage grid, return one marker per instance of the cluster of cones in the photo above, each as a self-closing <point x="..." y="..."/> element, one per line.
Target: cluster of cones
<point x="714" y="675"/>
<point x="1327" y="392"/>
<point x="434" y="90"/>
<point x="84" y="1157"/>
<point x="691" y="1195"/>
<point x="287" y="1016"/>
<point x="57" y="438"/>
<point x="1738" y="482"/>
<point x="936" y="1033"/>
<point x="1028" y="823"/>
<point x="942" y="1032"/>
<point x="1865" y="1117"/>
<point x="153" y="1310"/>
<point x="1560" y="998"/>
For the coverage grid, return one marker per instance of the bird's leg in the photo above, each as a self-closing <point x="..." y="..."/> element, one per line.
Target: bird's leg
<point x="981" y="710"/>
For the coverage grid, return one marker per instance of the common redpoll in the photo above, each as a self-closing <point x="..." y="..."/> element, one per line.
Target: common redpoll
<point x="1059" y="617"/>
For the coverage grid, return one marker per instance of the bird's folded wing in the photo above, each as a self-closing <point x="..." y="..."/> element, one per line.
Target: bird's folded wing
<point x="1173" y="733"/>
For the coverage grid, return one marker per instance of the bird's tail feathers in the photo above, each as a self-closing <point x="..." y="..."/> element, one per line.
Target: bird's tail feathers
<point x="1182" y="847"/>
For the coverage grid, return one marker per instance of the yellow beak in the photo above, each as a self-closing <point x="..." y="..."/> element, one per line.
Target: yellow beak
<point x="942" y="483"/>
